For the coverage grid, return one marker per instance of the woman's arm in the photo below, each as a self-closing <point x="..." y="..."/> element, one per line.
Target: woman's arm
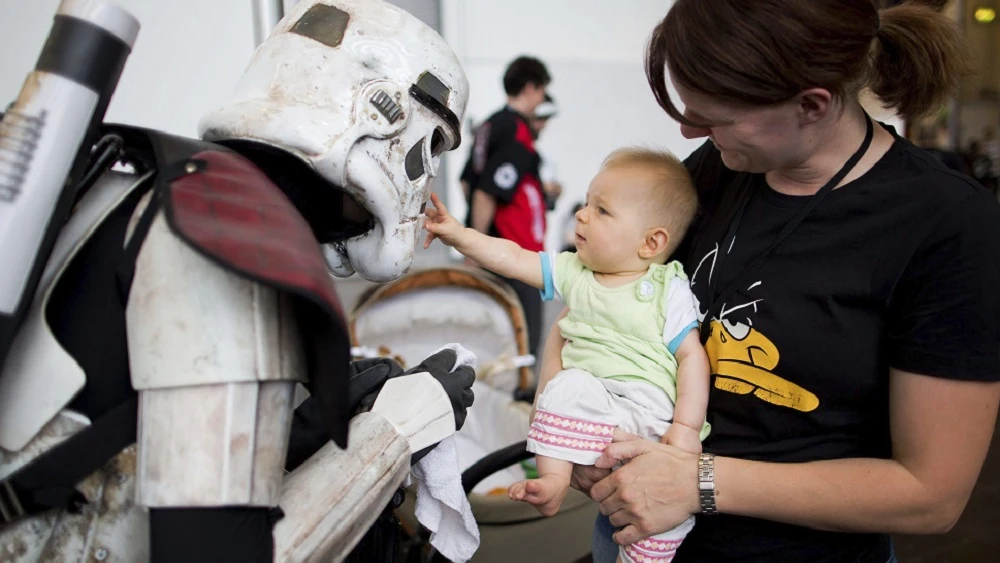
<point x="941" y="431"/>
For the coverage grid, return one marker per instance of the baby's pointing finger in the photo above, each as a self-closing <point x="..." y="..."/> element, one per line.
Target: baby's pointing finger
<point x="438" y="206"/>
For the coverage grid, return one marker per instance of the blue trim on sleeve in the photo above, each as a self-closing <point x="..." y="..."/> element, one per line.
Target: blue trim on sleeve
<point x="674" y="344"/>
<point x="548" y="290"/>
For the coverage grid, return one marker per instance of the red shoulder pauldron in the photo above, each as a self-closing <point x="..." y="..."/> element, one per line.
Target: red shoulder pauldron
<point x="232" y="212"/>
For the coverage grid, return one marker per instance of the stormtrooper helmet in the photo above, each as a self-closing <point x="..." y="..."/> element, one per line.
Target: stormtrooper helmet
<point x="368" y="97"/>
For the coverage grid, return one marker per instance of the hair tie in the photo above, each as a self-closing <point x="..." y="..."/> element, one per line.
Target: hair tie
<point x="878" y="22"/>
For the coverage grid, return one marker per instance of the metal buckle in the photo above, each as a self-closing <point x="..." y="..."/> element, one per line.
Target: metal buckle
<point x="10" y="505"/>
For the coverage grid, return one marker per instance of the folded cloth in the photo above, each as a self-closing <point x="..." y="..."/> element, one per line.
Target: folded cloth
<point x="441" y="502"/>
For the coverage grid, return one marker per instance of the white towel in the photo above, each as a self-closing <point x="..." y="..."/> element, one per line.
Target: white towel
<point x="441" y="502"/>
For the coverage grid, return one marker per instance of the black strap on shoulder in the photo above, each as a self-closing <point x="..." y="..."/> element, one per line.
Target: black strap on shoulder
<point x="50" y="480"/>
<point x="125" y="273"/>
<point x="720" y="299"/>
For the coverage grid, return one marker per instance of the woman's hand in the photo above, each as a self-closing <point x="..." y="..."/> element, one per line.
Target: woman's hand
<point x="584" y="477"/>
<point x="653" y="492"/>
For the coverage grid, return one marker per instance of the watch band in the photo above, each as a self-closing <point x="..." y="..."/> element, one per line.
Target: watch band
<point x="706" y="484"/>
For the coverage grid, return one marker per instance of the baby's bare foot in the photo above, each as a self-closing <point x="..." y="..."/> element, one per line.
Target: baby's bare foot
<point x="546" y="493"/>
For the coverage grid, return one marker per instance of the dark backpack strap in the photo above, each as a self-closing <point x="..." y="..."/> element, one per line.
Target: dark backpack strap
<point x="50" y="480"/>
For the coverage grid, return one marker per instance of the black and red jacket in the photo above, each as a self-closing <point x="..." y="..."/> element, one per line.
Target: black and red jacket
<point x="505" y="165"/>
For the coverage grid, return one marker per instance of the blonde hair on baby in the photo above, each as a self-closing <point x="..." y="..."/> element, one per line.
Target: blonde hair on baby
<point x="674" y="198"/>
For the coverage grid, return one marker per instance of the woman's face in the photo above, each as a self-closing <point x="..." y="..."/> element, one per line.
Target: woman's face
<point x="751" y="138"/>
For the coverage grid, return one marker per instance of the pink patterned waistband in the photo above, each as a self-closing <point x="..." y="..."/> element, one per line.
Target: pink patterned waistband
<point x="652" y="551"/>
<point x="572" y="433"/>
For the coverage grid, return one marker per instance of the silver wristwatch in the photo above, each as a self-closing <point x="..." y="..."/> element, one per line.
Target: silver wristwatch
<point x="706" y="483"/>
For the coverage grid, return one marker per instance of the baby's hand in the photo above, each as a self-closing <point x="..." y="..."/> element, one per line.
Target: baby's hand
<point x="683" y="437"/>
<point x="440" y="224"/>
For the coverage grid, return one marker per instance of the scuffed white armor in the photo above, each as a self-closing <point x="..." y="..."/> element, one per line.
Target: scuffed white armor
<point x="109" y="529"/>
<point x="193" y="323"/>
<point x="213" y="445"/>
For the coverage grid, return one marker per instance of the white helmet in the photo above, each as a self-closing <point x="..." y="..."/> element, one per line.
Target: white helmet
<point x="369" y="97"/>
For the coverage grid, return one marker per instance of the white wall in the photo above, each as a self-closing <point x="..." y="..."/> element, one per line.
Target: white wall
<point x="594" y="52"/>
<point x="186" y="61"/>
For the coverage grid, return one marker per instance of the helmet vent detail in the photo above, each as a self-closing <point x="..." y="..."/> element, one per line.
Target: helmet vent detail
<point x="387" y="106"/>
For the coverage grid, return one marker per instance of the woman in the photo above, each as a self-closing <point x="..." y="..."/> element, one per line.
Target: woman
<point x="848" y="282"/>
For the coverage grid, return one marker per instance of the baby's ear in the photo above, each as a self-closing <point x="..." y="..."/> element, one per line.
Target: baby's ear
<point x="655" y="243"/>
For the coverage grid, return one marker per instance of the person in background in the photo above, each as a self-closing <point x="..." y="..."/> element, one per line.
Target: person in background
<point x="506" y="198"/>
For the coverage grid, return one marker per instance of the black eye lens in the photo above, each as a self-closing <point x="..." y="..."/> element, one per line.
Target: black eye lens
<point x="437" y="142"/>
<point x="415" y="161"/>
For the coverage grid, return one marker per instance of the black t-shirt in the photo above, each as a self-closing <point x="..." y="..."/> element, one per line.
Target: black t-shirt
<point x="899" y="268"/>
<point x="505" y="165"/>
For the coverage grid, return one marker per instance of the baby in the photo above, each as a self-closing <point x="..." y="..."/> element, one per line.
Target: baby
<point x="633" y="360"/>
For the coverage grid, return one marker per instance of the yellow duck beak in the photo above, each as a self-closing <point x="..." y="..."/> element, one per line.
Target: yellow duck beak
<point x="743" y="367"/>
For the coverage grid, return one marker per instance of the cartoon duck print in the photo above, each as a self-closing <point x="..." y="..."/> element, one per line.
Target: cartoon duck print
<point x="742" y="358"/>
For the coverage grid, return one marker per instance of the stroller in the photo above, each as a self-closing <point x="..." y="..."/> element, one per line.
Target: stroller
<point x="410" y="318"/>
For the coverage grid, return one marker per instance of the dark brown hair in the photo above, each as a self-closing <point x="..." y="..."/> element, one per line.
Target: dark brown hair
<point x="523" y="71"/>
<point x="763" y="52"/>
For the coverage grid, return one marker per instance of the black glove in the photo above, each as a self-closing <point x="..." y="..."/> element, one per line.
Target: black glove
<point x="457" y="384"/>
<point x="366" y="379"/>
<point x="308" y="435"/>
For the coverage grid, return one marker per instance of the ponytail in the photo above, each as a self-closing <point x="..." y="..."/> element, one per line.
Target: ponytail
<point x="918" y="59"/>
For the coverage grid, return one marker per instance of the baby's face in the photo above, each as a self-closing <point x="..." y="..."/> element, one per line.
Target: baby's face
<point x="612" y="225"/>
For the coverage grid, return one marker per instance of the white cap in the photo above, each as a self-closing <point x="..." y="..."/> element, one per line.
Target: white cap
<point x="546" y="109"/>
